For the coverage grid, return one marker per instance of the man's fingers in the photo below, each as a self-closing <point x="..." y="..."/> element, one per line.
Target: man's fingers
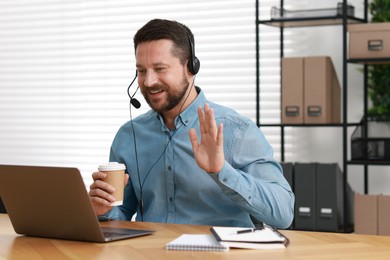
<point x="207" y="121"/>
<point x="100" y="191"/>
<point x="98" y="176"/>
<point x="194" y="139"/>
<point x="101" y="197"/>
<point x="202" y="123"/>
<point x="220" y="135"/>
<point x="99" y="184"/>
<point x="211" y="124"/>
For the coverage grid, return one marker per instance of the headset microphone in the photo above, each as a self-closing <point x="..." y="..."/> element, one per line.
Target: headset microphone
<point x="133" y="100"/>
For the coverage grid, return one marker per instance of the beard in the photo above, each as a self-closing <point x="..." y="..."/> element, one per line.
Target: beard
<point x="173" y="98"/>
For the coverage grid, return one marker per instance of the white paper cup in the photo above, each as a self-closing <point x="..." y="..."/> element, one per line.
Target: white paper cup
<point x="116" y="178"/>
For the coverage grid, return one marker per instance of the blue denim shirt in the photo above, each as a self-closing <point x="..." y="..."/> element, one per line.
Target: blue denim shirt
<point x="176" y="190"/>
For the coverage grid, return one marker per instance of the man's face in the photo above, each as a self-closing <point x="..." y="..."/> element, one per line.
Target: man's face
<point x="163" y="80"/>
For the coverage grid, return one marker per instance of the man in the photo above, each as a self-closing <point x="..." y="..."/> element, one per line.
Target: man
<point x="190" y="160"/>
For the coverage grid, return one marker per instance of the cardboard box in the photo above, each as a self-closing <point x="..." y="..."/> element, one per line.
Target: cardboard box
<point x="292" y="91"/>
<point x="322" y="98"/>
<point x="310" y="91"/>
<point x="366" y="214"/>
<point x="384" y="215"/>
<point x="371" y="40"/>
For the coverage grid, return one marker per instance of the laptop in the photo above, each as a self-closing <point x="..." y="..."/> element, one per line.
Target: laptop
<point x="52" y="202"/>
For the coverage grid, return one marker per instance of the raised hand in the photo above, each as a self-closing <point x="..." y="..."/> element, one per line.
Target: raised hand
<point x="208" y="152"/>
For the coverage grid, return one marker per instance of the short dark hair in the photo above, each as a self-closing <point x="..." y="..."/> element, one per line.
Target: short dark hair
<point x="158" y="29"/>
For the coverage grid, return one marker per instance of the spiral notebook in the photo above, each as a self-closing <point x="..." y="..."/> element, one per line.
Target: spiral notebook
<point x="197" y="242"/>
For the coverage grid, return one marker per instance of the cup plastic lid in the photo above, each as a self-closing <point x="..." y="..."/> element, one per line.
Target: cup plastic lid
<point x="112" y="166"/>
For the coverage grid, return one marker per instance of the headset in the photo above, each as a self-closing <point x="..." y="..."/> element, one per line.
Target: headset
<point x="193" y="67"/>
<point x="193" y="63"/>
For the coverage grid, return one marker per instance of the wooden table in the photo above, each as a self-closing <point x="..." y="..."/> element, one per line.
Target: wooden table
<point x="303" y="245"/>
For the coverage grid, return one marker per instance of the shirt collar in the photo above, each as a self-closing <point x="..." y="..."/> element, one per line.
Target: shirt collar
<point x="190" y="114"/>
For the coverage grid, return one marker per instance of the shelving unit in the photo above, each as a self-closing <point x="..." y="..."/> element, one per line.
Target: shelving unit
<point x="343" y="20"/>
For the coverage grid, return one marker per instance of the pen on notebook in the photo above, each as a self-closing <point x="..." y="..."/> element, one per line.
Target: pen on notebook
<point x="258" y="226"/>
<point x="243" y="231"/>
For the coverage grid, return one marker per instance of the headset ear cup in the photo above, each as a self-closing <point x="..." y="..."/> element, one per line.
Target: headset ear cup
<point x="195" y="66"/>
<point x="193" y="63"/>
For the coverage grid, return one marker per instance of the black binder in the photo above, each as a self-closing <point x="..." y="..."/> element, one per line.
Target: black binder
<point x="330" y="200"/>
<point x="288" y="172"/>
<point x="305" y="196"/>
<point x="330" y="203"/>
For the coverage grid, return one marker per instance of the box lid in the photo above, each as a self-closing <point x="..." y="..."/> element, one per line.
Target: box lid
<point x="369" y="27"/>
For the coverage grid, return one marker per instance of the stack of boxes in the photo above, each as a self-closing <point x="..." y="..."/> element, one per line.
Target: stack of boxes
<point x="310" y="91"/>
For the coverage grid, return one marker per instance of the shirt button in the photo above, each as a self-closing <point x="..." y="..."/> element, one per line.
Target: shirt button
<point x="169" y="168"/>
<point x="170" y="199"/>
<point x="224" y="180"/>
